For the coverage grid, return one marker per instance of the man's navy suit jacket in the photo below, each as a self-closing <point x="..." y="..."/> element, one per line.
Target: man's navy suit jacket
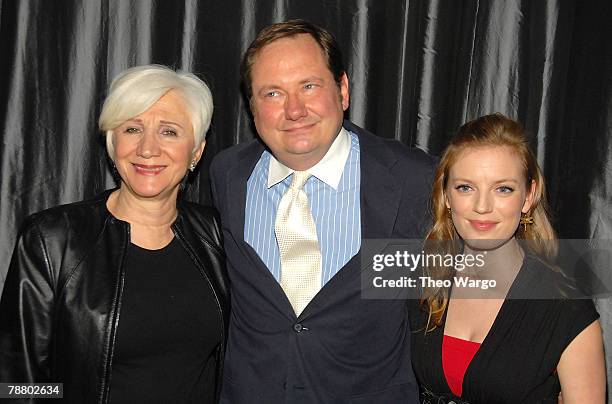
<point x="342" y="348"/>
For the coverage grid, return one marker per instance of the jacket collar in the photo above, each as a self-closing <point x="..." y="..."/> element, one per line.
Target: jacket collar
<point x="380" y="189"/>
<point x="380" y="193"/>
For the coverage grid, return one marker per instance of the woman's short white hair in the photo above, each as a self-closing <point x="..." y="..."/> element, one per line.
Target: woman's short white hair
<point x="136" y="89"/>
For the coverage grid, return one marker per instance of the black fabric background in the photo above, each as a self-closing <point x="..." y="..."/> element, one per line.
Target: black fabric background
<point x="418" y="69"/>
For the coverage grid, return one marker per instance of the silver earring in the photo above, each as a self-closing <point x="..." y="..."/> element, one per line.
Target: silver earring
<point x="192" y="166"/>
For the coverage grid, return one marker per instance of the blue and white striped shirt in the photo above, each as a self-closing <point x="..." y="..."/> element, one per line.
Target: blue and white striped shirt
<point x="333" y="194"/>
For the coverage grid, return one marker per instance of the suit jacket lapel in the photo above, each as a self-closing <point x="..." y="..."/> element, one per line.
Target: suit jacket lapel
<point x="239" y="175"/>
<point x="380" y="193"/>
<point x="380" y="189"/>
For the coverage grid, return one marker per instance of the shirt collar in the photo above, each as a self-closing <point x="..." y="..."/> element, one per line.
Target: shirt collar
<point x="329" y="169"/>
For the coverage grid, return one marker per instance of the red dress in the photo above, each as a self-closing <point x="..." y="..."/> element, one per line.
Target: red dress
<point x="457" y="354"/>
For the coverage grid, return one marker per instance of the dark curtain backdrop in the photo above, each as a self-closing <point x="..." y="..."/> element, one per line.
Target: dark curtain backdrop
<point x="418" y="69"/>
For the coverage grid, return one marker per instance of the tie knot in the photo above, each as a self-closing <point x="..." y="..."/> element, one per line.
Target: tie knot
<point x="299" y="179"/>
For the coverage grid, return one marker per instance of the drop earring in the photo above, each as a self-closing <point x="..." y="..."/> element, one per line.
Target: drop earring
<point x="526" y="219"/>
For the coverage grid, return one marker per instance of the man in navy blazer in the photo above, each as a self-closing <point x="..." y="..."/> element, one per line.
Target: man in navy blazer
<point x="340" y="348"/>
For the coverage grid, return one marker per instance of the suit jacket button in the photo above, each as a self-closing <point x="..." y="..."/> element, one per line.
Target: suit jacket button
<point x="298" y="327"/>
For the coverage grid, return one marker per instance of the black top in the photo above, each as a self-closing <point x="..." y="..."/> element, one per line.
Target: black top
<point x="64" y="288"/>
<point x="169" y="329"/>
<point x="517" y="360"/>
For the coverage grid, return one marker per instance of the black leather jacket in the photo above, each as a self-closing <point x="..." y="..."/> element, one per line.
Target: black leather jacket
<point x="60" y="305"/>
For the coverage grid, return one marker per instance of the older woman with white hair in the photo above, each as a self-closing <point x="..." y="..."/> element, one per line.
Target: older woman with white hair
<point x="123" y="298"/>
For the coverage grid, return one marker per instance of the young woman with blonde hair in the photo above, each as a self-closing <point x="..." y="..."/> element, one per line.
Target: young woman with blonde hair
<point x="522" y="340"/>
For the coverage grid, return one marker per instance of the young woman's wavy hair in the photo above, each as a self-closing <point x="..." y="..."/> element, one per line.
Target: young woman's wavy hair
<point x="486" y="131"/>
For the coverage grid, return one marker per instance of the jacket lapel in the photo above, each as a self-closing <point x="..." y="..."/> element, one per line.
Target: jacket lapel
<point x="380" y="189"/>
<point x="380" y="193"/>
<point x="237" y="186"/>
<point x="239" y="175"/>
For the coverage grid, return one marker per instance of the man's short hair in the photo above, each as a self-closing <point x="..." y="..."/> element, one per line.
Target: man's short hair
<point x="266" y="36"/>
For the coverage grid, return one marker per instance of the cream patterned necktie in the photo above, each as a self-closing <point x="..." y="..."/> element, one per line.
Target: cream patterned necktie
<point x="296" y="236"/>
